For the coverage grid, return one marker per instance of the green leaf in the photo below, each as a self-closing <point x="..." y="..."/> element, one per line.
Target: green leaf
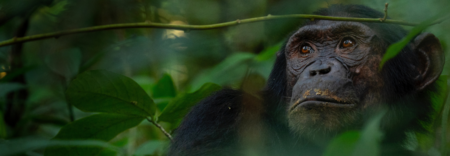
<point x="368" y="144"/>
<point x="58" y="7"/>
<point x="425" y="140"/>
<point x="102" y="127"/>
<point x="411" y="143"/>
<point x="150" y="147"/>
<point x="438" y="101"/>
<point x="444" y="124"/>
<point x="5" y="88"/>
<point x="180" y="106"/>
<point x="343" y="144"/>
<point x="103" y="91"/>
<point x="22" y="145"/>
<point x="268" y="53"/>
<point x="232" y="69"/>
<point x="65" y="63"/>
<point x="164" y="87"/>
<point x="396" y="48"/>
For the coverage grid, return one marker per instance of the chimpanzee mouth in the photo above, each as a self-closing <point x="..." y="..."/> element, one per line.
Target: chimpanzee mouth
<point x="323" y="102"/>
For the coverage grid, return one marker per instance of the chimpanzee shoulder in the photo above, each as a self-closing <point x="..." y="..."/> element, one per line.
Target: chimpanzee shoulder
<point x="212" y="127"/>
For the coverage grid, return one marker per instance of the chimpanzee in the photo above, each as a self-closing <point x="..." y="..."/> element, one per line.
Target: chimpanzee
<point x="326" y="80"/>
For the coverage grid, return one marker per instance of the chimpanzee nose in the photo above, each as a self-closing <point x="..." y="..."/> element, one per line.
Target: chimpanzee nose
<point x="320" y="70"/>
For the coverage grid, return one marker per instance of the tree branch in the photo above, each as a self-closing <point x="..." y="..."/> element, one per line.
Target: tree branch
<point x="161" y="128"/>
<point x="16" y="40"/>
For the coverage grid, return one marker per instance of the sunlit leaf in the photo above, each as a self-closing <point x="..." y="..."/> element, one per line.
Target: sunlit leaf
<point x="180" y="106"/>
<point x="103" y="91"/>
<point x="102" y="127"/>
<point x="343" y="144"/>
<point x="164" y="87"/>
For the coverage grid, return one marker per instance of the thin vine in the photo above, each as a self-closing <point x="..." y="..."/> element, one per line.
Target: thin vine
<point x="269" y="17"/>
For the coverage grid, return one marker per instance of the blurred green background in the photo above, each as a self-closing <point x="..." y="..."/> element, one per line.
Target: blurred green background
<point x="165" y="63"/>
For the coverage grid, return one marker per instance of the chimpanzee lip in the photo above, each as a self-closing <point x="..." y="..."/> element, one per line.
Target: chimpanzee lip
<point x="322" y="101"/>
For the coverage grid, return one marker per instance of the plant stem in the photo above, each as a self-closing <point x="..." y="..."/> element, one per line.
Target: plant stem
<point x="161" y="128"/>
<point x="385" y="12"/>
<point x="16" y="40"/>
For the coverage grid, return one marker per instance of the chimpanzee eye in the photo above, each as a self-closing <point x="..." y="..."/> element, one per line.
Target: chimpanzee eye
<point x="306" y="49"/>
<point x="347" y="43"/>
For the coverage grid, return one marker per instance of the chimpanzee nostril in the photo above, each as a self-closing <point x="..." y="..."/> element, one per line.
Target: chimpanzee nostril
<point x="320" y="71"/>
<point x="324" y="71"/>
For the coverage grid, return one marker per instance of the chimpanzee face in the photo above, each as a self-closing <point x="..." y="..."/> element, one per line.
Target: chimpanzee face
<point x="332" y="75"/>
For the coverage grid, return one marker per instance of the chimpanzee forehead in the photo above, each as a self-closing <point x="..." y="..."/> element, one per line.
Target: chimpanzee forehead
<point x="326" y="28"/>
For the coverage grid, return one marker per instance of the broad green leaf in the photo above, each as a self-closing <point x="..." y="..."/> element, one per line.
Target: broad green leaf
<point x="150" y="147"/>
<point x="102" y="127"/>
<point x="103" y="91"/>
<point x="5" y="88"/>
<point x="180" y="106"/>
<point x="396" y="48"/>
<point x="263" y="67"/>
<point x="146" y="82"/>
<point x="369" y="142"/>
<point x="264" y="61"/>
<point x="164" y="87"/>
<point x="343" y="144"/>
<point x="232" y="69"/>
<point x="65" y="63"/>
<point x="268" y="53"/>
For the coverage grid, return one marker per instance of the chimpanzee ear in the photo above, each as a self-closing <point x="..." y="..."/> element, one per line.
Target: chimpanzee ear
<point x="431" y="59"/>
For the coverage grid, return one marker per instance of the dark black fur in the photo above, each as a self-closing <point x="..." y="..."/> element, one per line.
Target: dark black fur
<point x="212" y="128"/>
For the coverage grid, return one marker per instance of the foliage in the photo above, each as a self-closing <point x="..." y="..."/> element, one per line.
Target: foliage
<point x="396" y="48"/>
<point x="110" y="81"/>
